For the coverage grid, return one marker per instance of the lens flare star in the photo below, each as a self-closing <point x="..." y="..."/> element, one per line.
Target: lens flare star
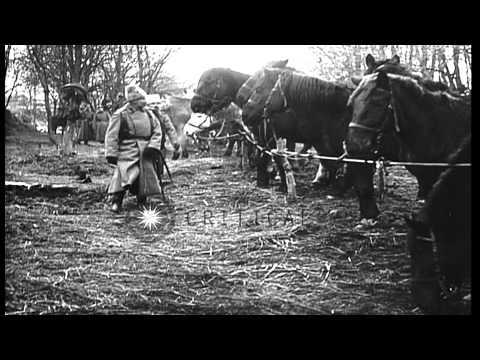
<point x="149" y="218"/>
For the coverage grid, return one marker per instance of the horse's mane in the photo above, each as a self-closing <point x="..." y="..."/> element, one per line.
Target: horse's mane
<point x="400" y="69"/>
<point x="304" y="90"/>
<point x="246" y="90"/>
<point x="418" y="89"/>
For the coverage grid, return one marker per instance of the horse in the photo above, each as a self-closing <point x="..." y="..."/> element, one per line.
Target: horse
<point x="285" y="123"/>
<point x="218" y="88"/>
<point x="321" y="114"/>
<point x="223" y="123"/>
<point x="399" y="118"/>
<point x="443" y="224"/>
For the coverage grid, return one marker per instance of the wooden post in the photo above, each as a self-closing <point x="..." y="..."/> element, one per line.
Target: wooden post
<point x="287" y="167"/>
<point x="381" y="180"/>
<point x="242" y="154"/>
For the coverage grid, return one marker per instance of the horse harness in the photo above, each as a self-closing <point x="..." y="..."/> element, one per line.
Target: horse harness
<point x="379" y="132"/>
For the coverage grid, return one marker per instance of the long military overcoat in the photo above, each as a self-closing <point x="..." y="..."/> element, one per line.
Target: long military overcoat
<point x="133" y="169"/>
<point x="100" y="123"/>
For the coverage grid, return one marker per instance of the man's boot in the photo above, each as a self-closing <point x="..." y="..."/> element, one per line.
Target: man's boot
<point x="141" y="202"/>
<point x="117" y="199"/>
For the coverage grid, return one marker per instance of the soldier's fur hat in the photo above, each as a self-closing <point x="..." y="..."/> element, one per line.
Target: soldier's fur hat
<point x="134" y="92"/>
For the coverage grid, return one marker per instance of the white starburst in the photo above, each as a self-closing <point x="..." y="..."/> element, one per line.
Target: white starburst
<point x="149" y="218"/>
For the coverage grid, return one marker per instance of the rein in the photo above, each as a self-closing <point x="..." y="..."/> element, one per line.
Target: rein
<point x="379" y="131"/>
<point x="217" y="103"/>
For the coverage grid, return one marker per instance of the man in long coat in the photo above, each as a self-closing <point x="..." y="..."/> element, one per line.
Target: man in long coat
<point x="132" y="143"/>
<point x="84" y="124"/>
<point x="101" y="119"/>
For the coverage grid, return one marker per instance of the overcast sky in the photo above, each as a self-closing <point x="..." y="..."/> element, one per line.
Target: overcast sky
<point x="190" y="61"/>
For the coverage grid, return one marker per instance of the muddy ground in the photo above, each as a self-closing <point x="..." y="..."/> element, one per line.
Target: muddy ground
<point x="240" y="249"/>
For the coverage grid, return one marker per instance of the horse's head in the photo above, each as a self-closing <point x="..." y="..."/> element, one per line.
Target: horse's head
<point x="262" y="84"/>
<point x="215" y="91"/>
<point x="371" y="107"/>
<point x="277" y="101"/>
<point x="392" y="65"/>
<point x="425" y="281"/>
<point x="199" y="104"/>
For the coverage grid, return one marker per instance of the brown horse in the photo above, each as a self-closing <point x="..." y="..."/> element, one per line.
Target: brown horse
<point x="217" y="89"/>
<point x="399" y="118"/>
<point x="443" y="224"/>
<point x="321" y="111"/>
<point x="285" y="124"/>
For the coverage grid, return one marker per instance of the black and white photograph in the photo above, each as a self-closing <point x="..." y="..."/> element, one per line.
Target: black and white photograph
<point x="237" y="179"/>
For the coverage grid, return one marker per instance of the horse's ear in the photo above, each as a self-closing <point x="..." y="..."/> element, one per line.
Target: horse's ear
<point x="356" y="80"/>
<point x="395" y="60"/>
<point x="370" y="61"/>
<point x="382" y="80"/>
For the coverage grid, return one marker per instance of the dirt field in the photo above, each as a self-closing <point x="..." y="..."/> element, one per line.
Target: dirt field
<point x="64" y="253"/>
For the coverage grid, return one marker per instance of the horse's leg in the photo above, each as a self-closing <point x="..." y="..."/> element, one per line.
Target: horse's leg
<point x="263" y="161"/>
<point x="182" y="139"/>
<point x="239" y="147"/>
<point x="251" y="155"/>
<point x="343" y="179"/>
<point x="426" y="177"/>
<point x="281" y="170"/>
<point x="291" y="147"/>
<point x="230" y="144"/>
<point x="323" y="176"/>
<point x="422" y="264"/>
<point x="362" y="178"/>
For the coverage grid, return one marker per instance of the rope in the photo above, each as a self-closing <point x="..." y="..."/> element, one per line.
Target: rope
<point x="294" y="155"/>
<point x="218" y="138"/>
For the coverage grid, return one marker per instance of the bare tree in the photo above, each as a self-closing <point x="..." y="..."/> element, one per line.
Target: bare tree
<point x="150" y="68"/>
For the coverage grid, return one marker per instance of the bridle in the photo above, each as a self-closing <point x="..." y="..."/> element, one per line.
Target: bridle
<point x="276" y="88"/>
<point x="217" y="103"/>
<point x="380" y="131"/>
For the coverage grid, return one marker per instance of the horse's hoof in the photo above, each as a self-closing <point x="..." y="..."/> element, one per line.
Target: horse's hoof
<point x="318" y="184"/>
<point x="366" y="223"/>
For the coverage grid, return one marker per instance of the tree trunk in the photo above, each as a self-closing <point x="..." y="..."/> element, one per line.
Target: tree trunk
<point x="434" y="62"/>
<point x="34" y="107"/>
<point x="382" y="51"/>
<point x="468" y="64"/>
<point x="458" y="80"/>
<point x="444" y="70"/>
<point x="358" y="60"/>
<point x="410" y="57"/>
<point x="46" y="93"/>
<point x="140" y="65"/>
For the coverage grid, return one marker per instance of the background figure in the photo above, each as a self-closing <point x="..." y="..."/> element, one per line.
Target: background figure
<point x="101" y="120"/>
<point x="84" y="124"/>
<point x="168" y="129"/>
<point x="119" y="102"/>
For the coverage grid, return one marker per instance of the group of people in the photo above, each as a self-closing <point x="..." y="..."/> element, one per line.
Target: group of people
<point x="92" y="126"/>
